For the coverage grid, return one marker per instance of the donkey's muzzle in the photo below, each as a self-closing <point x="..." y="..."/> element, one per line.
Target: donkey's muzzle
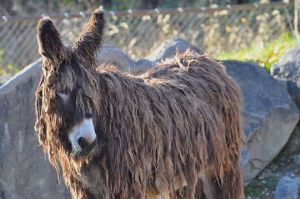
<point x="86" y="150"/>
<point x="83" y="137"/>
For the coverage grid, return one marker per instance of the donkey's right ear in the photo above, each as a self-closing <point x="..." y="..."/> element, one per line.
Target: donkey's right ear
<point x="51" y="46"/>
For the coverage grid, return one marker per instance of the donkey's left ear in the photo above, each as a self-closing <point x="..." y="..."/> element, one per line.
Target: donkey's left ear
<point x="51" y="46"/>
<point x="90" y="39"/>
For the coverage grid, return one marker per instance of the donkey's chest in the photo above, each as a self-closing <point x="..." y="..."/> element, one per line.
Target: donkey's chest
<point x="93" y="181"/>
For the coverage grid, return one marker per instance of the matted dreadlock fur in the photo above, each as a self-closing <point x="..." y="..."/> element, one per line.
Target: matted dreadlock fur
<point x="156" y="133"/>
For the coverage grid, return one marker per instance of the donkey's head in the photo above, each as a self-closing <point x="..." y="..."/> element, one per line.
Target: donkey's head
<point x="66" y="101"/>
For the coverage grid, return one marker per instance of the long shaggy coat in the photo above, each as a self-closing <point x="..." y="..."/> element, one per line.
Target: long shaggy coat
<point x="156" y="133"/>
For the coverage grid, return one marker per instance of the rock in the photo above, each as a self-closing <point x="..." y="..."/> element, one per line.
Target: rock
<point x="293" y="145"/>
<point x="296" y="159"/>
<point x="25" y="171"/>
<point x="140" y="66"/>
<point x="168" y="49"/>
<point x="245" y="157"/>
<point x="114" y="56"/>
<point x="269" y="115"/>
<point x="288" y="69"/>
<point x="287" y="188"/>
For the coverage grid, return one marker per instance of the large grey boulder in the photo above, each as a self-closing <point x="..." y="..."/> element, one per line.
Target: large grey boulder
<point x="169" y="48"/>
<point x="269" y="114"/>
<point x="25" y="171"/>
<point x="287" y="69"/>
<point x="292" y="147"/>
<point x="110" y="55"/>
<point x="287" y="188"/>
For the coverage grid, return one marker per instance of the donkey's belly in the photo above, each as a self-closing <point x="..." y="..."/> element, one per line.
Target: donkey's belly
<point x="160" y="190"/>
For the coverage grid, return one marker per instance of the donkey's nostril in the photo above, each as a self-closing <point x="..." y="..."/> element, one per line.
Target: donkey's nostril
<point x="82" y="142"/>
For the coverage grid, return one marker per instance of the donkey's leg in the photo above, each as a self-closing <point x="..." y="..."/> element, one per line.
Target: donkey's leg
<point x="78" y="191"/>
<point x="231" y="187"/>
<point x="199" y="192"/>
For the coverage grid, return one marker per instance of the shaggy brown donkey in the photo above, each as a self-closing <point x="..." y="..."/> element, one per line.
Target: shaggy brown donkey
<point x="120" y="136"/>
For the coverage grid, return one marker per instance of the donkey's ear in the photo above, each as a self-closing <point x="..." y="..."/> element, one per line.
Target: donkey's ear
<point x="90" y="39"/>
<point x="51" y="46"/>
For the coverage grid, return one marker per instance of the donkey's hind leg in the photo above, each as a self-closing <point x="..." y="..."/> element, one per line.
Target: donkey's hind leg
<point x="230" y="188"/>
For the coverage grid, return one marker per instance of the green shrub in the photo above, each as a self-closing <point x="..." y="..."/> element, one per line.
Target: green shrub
<point x="264" y="55"/>
<point x="7" y="70"/>
<point x="250" y="191"/>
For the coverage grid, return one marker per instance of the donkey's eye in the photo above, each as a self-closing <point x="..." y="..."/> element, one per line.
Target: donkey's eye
<point x="63" y="96"/>
<point x="88" y="115"/>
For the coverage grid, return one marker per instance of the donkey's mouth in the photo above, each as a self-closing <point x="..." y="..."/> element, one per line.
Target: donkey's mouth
<point x="86" y="151"/>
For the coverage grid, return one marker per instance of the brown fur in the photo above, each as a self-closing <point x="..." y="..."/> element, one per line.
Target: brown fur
<point x="155" y="133"/>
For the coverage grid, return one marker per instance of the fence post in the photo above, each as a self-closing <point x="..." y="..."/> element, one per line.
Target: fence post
<point x="297" y="18"/>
